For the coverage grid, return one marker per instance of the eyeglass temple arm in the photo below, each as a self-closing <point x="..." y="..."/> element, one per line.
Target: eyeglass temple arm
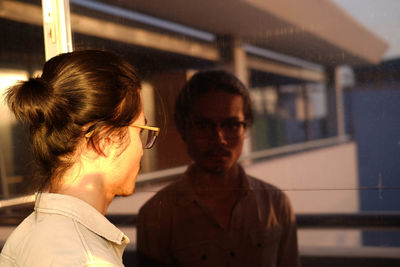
<point x="156" y="129"/>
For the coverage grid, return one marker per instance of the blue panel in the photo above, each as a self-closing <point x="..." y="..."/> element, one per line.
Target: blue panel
<point x="375" y="120"/>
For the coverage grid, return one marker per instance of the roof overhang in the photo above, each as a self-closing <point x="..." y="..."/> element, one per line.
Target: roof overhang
<point x="315" y="30"/>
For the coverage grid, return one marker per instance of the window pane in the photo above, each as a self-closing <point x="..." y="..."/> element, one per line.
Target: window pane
<point x="21" y="56"/>
<point x="324" y="85"/>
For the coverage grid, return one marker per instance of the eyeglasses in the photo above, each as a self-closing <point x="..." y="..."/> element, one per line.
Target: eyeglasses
<point x="148" y="134"/>
<point x="231" y="129"/>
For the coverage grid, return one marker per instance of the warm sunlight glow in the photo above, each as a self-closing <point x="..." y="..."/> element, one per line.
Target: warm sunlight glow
<point x="7" y="79"/>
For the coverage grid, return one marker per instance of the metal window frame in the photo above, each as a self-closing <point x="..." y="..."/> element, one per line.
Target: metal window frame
<point x="56" y="27"/>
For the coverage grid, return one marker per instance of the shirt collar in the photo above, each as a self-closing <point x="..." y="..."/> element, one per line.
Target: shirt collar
<point x="82" y="212"/>
<point x="185" y="187"/>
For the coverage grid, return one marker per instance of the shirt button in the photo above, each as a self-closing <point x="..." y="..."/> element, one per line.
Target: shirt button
<point x="259" y="245"/>
<point x="204" y="257"/>
<point x="232" y="254"/>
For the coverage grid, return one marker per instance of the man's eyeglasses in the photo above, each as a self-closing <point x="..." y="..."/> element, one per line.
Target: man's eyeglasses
<point x="148" y="134"/>
<point x="231" y="129"/>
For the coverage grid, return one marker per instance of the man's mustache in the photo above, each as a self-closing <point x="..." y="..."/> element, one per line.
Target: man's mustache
<point x="217" y="151"/>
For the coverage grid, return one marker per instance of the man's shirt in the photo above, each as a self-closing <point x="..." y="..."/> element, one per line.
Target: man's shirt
<point x="175" y="229"/>
<point x="64" y="231"/>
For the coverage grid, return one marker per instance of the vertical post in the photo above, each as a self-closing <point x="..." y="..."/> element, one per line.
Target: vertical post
<point x="336" y="126"/>
<point x="339" y="102"/>
<point x="240" y="63"/>
<point x="233" y="57"/>
<point x="234" y="60"/>
<point x="307" y="111"/>
<point x="56" y="27"/>
<point x="3" y="177"/>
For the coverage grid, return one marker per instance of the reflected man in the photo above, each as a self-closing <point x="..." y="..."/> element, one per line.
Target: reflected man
<point x="214" y="214"/>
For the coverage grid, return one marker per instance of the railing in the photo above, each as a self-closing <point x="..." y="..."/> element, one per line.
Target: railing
<point x="295" y="148"/>
<point x="310" y="257"/>
<point x="362" y="220"/>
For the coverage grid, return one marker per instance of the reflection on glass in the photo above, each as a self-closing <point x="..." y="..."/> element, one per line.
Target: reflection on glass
<point x="324" y="88"/>
<point x="12" y="153"/>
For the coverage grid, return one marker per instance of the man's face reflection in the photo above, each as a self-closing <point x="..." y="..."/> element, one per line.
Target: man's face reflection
<point x="215" y="135"/>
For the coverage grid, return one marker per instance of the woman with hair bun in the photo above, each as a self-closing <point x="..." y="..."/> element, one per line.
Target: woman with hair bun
<point x="86" y="124"/>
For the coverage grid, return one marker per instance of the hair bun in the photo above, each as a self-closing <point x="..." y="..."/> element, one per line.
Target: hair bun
<point x="33" y="102"/>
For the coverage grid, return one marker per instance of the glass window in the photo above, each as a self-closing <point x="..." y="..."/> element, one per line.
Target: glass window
<point x="323" y="81"/>
<point x="18" y="60"/>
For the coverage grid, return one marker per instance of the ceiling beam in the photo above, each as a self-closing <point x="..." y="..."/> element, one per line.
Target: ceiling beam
<point x="18" y="11"/>
<point x="268" y="66"/>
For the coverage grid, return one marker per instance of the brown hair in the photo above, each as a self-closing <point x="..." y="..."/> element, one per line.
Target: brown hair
<point x="77" y="93"/>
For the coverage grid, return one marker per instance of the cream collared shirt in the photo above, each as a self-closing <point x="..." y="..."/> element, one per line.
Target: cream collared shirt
<point x="64" y="231"/>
